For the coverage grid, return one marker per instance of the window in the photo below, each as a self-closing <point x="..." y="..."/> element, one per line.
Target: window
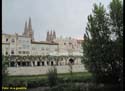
<point x="42" y="48"/>
<point x="19" y="64"/>
<point x="52" y="63"/>
<point x="70" y="43"/>
<point x="13" y="40"/>
<point x="6" y="39"/>
<point x="23" y="52"/>
<point x="6" y="53"/>
<point x="27" y="52"/>
<point x="23" y="63"/>
<point x="38" y="63"/>
<point x="47" y="49"/>
<point x="19" y="52"/>
<point x="20" y="48"/>
<point x="12" y="52"/>
<point x="12" y="64"/>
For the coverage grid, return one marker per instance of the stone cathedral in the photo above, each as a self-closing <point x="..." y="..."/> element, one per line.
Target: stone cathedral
<point x="26" y="56"/>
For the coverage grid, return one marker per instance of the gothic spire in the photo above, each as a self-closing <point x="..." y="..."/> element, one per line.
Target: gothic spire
<point x="47" y="37"/>
<point x="25" y="28"/>
<point x="51" y="35"/>
<point x="54" y="34"/>
<point x="30" y="25"/>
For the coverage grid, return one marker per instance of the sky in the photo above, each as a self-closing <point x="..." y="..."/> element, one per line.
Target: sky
<point x="67" y="17"/>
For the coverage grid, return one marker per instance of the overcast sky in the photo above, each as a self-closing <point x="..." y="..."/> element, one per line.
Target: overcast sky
<point x="66" y="17"/>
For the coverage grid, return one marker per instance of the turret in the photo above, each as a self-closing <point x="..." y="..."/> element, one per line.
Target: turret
<point x="25" y="29"/>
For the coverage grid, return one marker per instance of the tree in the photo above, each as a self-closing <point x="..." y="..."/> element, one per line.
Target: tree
<point x="71" y="70"/>
<point x="96" y="43"/>
<point x="52" y="76"/>
<point x="102" y="48"/>
<point x="4" y="69"/>
<point x="116" y="24"/>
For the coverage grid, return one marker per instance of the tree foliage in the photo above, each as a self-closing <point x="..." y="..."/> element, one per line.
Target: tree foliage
<point x="52" y="76"/>
<point x="102" y="47"/>
<point x="4" y="68"/>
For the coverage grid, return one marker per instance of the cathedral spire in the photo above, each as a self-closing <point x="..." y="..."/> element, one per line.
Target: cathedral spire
<point x="54" y="34"/>
<point x="51" y="35"/>
<point x="30" y="25"/>
<point x="25" y="28"/>
<point x="47" y="37"/>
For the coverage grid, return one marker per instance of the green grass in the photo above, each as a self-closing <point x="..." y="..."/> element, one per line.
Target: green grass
<point x="42" y="80"/>
<point x="83" y="75"/>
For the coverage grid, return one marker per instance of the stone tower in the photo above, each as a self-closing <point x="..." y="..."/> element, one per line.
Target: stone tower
<point x="51" y="35"/>
<point x="25" y="28"/>
<point x="28" y="32"/>
<point x="54" y="35"/>
<point x="48" y="36"/>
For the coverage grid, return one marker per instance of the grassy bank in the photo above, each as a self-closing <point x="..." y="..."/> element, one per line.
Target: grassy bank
<point x="41" y="80"/>
<point x="84" y="75"/>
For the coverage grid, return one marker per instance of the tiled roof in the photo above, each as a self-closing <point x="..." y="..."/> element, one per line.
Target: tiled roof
<point x="44" y="42"/>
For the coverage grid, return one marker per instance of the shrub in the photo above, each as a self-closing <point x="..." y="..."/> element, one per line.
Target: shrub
<point x="52" y="76"/>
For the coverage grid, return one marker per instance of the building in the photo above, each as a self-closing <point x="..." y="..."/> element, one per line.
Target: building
<point x="54" y="51"/>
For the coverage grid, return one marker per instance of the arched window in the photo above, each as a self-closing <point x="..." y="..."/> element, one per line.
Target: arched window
<point x="51" y="63"/>
<point x="71" y="61"/>
<point x="6" y="39"/>
<point x="38" y="63"/>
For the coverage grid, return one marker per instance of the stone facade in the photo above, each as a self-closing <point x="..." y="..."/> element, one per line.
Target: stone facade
<point x="43" y="70"/>
<point x="30" y="57"/>
<point x="35" y="65"/>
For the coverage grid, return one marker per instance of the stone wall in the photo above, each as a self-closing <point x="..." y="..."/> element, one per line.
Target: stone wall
<point x="43" y="70"/>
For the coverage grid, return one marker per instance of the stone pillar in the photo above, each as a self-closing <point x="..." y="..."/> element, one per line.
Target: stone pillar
<point x="45" y="63"/>
<point x="35" y="63"/>
<point x="21" y="64"/>
<point x="16" y="64"/>
<point x="67" y="61"/>
<point x="78" y="61"/>
<point x="64" y="62"/>
<point x="26" y="64"/>
<point x="9" y="64"/>
<point x="31" y="63"/>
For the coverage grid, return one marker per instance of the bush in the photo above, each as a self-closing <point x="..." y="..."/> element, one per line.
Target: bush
<point x="52" y="76"/>
<point x="37" y="83"/>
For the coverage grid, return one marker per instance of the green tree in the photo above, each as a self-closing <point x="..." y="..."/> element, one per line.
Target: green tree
<point x="4" y="69"/>
<point x="96" y="45"/>
<point x="52" y="76"/>
<point x="103" y="46"/>
<point x="116" y="24"/>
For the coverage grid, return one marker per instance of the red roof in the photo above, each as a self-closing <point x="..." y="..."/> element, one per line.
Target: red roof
<point x="44" y="42"/>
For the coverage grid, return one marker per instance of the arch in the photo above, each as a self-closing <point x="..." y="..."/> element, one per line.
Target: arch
<point x="43" y="64"/>
<point x="52" y="63"/>
<point x="47" y="63"/>
<point x="38" y="63"/>
<point x="12" y="64"/>
<point x="71" y="61"/>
